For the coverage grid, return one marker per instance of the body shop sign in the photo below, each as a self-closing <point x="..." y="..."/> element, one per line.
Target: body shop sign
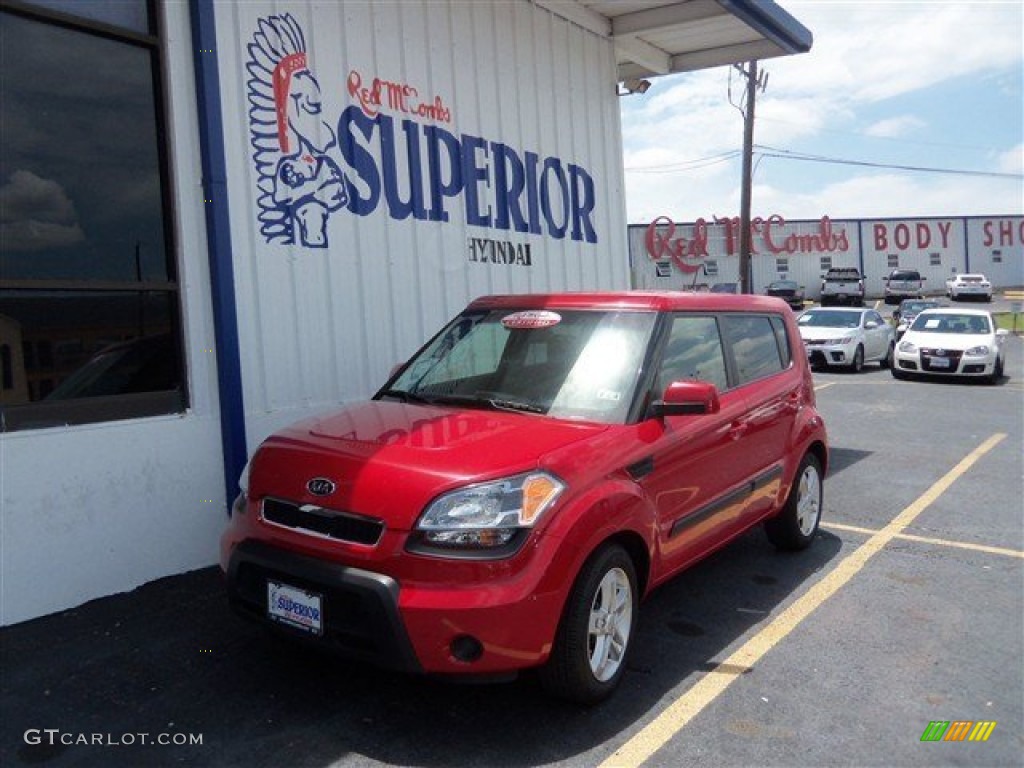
<point x="663" y="239"/>
<point x="392" y="149"/>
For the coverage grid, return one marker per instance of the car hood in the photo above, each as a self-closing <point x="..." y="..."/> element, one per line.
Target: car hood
<point x="820" y="333"/>
<point x="389" y="459"/>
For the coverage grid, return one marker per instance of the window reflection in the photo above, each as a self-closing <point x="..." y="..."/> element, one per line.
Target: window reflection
<point x="89" y="321"/>
<point x="80" y="179"/>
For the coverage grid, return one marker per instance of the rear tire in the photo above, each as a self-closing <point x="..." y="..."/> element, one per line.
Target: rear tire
<point x="795" y="526"/>
<point x="887" y="361"/>
<point x="594" y="636"/>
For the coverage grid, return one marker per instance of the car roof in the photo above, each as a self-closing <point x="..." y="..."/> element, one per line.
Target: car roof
<point x="655" y="301"/>
<point x="956" y="311"/>
<point x="838" y="309"/>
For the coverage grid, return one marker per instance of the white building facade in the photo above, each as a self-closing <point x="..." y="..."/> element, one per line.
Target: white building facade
<point x="667" y="255"/>
<point x="221" y="217"/>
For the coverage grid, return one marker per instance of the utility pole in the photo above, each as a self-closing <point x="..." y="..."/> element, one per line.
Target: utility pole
<point x="754" y="83"/>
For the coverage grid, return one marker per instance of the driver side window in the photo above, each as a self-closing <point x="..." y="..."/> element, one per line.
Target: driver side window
<point x="694" y="351"/>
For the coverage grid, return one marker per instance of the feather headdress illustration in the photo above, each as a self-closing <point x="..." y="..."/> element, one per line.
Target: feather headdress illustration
<point x="299" y="184"/>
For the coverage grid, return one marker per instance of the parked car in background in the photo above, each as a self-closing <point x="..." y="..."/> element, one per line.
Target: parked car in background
<point x="908" y="309"/>
<point x="973" y="286"/>
<point x="952" y="342"/>
<point x="846" y="338"/>
<point x="903" y="284"/>
<point x="788" y="290"/>
<point x="842" y="285"/>
<point x="513" y="491"/>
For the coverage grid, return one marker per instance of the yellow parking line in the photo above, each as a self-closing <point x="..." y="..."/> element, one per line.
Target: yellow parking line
<point x="929" y="540"/>
<point x="691" y="703"/>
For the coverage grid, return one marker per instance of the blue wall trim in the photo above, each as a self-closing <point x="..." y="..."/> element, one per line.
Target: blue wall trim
<point x="218" y="236"/>
<point x="772" y="21"/>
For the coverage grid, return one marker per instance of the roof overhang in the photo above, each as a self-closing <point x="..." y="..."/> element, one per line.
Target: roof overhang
<point x="654" y="37"/>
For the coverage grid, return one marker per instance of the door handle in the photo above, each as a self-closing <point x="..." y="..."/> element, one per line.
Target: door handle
<point x="737" y="429"/>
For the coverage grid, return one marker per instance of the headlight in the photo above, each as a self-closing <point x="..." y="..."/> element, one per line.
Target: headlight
<point x="243" y="479"/>
<point x="486" y="518"/>
<point x="238" y="507"/>
<point x="845" y="340"/>
<point x="979" y="351"/>
<point x="908" y="347"/>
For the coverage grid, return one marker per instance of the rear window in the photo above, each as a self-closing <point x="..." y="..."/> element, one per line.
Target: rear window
<point x="905" y="276"/>
<point x="755" y="346"/>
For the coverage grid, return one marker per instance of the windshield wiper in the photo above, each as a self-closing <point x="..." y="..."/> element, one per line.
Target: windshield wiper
<point x="405" y="397"/>
<point x="481" y="400"/>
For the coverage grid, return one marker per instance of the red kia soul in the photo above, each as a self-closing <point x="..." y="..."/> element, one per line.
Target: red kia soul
<point x="511" y="494"/>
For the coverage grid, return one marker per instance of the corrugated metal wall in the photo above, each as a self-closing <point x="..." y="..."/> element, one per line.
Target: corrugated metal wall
<point x="320" y="325"/>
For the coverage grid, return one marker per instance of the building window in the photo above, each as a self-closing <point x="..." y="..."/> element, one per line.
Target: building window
<point x="826" y="263"/>
<point x="782" y="266"/>
<point x="88" y="280"/>
<point x="894" y="260"/>
<point x="997" y="257"/>
<point x="935" y="259"/>
<point x="711" y="267"/>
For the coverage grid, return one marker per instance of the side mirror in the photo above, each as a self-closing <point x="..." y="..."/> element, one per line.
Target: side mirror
<point x="1002" y="332"/>
<point x="871" y="324"/>
<point x="682" y="398"/>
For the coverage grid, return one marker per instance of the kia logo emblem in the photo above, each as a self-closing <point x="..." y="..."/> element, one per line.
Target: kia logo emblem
<point x="321" y="486"/>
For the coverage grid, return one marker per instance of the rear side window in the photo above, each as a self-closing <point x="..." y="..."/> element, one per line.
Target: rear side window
<point x="755" y="346"/>
<point x="694" y="351"/>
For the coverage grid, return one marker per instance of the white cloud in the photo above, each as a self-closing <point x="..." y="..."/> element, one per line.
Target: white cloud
<point x="36" y="214"/>
<point x="894" y="127"/>
<point x="1013" y="160"/>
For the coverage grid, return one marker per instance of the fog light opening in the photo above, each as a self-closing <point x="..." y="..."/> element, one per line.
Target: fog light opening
<point x="466" y="648"/>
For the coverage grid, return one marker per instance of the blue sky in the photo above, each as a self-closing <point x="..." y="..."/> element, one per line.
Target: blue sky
<point x="917" y="83"/>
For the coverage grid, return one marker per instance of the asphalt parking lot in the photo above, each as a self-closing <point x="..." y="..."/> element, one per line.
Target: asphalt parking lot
<point x="908" y="609"/>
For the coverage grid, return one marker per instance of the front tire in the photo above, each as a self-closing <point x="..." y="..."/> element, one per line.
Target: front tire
<point x="594" y="636"/>
<point x="858" y="360"/>
<point x="795" y="526"/>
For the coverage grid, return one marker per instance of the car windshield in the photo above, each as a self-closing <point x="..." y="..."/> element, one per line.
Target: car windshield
<point x="568" y="364"/>
<point x="841" y="319"/>
<point x="951" y="323"/>
<point x="913" y="307"/>
<point x="971" y="278"/>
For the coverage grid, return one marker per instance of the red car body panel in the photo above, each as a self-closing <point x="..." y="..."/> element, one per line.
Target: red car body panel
<point x="671" y="489"/>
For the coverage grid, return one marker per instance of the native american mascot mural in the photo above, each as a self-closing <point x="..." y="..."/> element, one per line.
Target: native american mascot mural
<point x="300" y="185"/>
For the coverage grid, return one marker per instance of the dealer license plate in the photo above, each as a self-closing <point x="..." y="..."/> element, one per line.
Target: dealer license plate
<point x="940" y="362"/>
<point x="295" y="607"/>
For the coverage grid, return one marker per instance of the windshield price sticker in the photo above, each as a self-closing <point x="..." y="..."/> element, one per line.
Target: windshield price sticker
<point x="531" y="318"/>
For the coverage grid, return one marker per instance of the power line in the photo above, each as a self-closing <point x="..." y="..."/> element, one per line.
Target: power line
<point x="787" y="154"/>
<point x="686" y="165"/>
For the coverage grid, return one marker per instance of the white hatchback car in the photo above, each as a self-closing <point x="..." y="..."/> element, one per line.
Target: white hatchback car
<point x="952" y="342"/>
<point x="845" y="337"/>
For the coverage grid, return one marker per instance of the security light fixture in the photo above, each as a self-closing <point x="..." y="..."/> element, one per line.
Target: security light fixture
<point x="634" y="85"/>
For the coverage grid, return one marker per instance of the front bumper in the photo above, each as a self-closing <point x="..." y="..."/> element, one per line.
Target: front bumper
<point x="505" y="615"/>
<point x="953" y="363"/>
<point x="829" y="354"/>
